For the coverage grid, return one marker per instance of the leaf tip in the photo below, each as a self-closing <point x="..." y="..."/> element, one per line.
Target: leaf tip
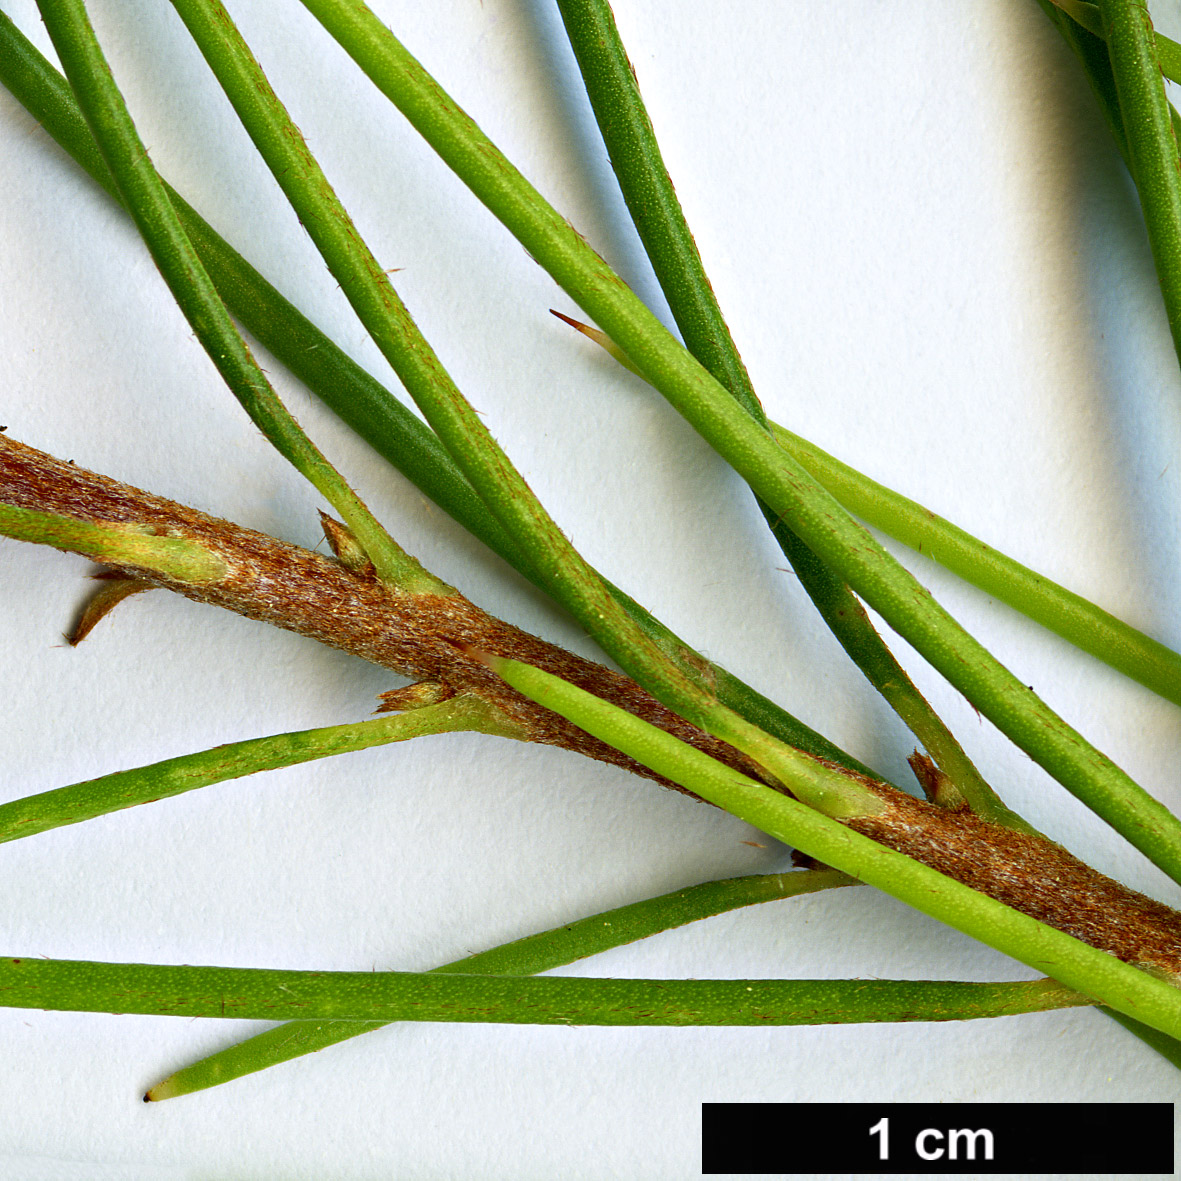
<point x="576" y="324"/>
<point x="600" y="338"/>
<point x="165" y="1089"/>
<point x="115" y="588"/>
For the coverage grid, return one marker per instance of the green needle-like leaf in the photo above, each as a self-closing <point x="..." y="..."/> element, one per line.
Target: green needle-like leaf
<point x="121" y="545"/>
<point x="1086" y="969"/>
<point x="1167" y="1047"/>
<point x="651" y="199"/>
<point x="401" y="438"/>
<point x="1092" y="55"/>
<point x="254" y="993"/>
<point x="145" y="198"/>
<point x="367" y="406"/>
<point x="522" y="957"/>
<point x="366" y="284"/>
<point x="656" y="212"/>
<point x="1061" y="611"/>
<point x="50" y="985"/>
<point x="1168" y="52"/>
<point x="1152" y="145"/>
<point x="172" y="777"/>
<point x="787" y="488"/>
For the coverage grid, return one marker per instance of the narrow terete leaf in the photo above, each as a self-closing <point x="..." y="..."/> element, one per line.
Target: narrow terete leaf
<point x="813" y="514"/>
<point x="1138" y="994"/>
<point x="1152" y="146"/>
<point x="171" y="777"/>
<point x="146" y="199"/>
<point x="522" y="957"/>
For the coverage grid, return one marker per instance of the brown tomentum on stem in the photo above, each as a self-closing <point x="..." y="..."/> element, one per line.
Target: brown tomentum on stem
<point x="1033" y="875"/>
<point x="429" y="637"/>
<point x="343" y="604"/>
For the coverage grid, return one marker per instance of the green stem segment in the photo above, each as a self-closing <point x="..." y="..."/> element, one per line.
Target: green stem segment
<point x="144" y="195"/>
<point x="171" y="777"/>
<point x="1152" y="146"/>
<point x="1080" y="967"/>
<point x="522" y="957"/>
<point x="647" y="188"/>
<point x="821" y="523"/>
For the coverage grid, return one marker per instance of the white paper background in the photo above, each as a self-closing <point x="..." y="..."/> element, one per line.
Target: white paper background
<point x="935" y="266"/>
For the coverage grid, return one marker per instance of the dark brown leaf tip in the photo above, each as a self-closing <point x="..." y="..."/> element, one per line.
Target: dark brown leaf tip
<point x="112" y="591"/>
<point x="577" y="325"/>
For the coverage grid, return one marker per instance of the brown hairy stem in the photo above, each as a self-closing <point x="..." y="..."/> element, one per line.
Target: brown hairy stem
<point x="1033" y="875"/>
<point x="342" y="604"/>
<point x="426" y="636"/>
